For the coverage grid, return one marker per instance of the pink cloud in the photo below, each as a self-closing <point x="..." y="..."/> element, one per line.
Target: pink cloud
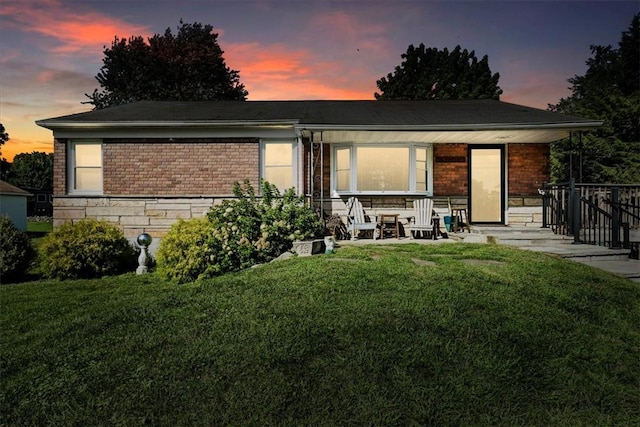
<point x="279" y="72"/>
<point x="76" y="31"/>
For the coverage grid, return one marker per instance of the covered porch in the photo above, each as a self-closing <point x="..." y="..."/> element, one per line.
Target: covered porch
<point x="492" y="172"/>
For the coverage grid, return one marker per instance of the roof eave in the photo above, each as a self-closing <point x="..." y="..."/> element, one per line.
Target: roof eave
<point x="457" y="127"/>
<point x="54" y="125"/>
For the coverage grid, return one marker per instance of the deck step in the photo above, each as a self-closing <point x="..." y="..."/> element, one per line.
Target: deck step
<point x="628" y="268"/>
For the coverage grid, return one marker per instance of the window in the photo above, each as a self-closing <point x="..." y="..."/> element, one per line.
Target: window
<point x="343" y="169"/>
<point x="422" y="169"/>
<point x="367" y="168"/>
<point x="85" y="173"/>
<point x="279" y="164"/>
<point x="41" y="198"/>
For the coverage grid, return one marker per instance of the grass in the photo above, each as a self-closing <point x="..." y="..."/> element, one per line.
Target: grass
<point x="39" y="226"/>
<point x="411" y="334"/>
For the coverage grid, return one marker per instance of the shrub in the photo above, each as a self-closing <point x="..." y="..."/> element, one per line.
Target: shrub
<point x="86" y="249"/>
<point x="186" y="251"/>
<point x="258" y="230"/>
<point x="16" y="251"/>
<point x="237" y="234"/>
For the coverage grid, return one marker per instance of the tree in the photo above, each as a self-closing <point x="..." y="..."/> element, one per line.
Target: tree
<point x="609" y="91"/>
<point x="188" y="66"/>
<point x="4" y="137"/>
<point x="440" y="74"/>
<point x="32" y="170"/>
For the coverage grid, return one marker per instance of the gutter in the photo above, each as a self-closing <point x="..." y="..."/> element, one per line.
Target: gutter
<point x="457" y="127"/>
<point x="300" y="127"/>
<point x="278" y="124"/>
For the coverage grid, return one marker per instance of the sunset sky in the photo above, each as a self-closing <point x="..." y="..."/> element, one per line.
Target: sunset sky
<point x="51" y="50"/>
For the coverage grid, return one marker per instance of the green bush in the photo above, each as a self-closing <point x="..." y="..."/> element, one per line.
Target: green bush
<point x="86" y="249"/>
<point x="16" y="251"/>
<point x="237" y="234"/>
<point x="186" y="251"/>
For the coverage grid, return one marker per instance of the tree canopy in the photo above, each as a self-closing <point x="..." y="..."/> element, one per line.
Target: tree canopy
<point x="609" y="91"/>
<point x="429" y="73"/>
<point x="4" y="137"/>
<point x="188" y="66"/>
<point x="32" y="170"/>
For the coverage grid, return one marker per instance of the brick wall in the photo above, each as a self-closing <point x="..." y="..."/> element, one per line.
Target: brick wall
<point x="187" y="167"/>
<point x="450" y="172"/>
<point x="529" y="168"/>
<point x="59" y="167"/>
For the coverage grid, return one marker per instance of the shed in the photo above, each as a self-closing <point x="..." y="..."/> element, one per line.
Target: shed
<point x="13" y="203"/>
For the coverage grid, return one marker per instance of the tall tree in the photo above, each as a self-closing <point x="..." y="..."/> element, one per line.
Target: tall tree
<point x="4" y="137"/>
<point x="429" y="73"/>
<point x="32" y="170"/>
<point x="188" y="66"/>
<point x="609" y="91"/>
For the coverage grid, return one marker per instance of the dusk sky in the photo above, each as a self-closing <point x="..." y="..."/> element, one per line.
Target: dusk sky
<point x="51" y="50"/>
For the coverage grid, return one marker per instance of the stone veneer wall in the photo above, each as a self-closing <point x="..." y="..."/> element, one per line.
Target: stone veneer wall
<point x="133" y="215"/>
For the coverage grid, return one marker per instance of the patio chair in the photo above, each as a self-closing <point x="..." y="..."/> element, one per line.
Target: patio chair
<point x="422" y="219"/>
<point x="357" y="220"/>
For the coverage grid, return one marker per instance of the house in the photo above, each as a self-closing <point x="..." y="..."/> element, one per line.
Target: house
<point x="40" y="203"/>
<point x="144" y="165"/>
<point x="13" y="203"/>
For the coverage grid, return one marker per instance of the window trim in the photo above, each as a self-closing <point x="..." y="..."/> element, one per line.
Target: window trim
<point x="294" y="160"/>
<point x="71" y="167"/>
<point x="352" y="147"/>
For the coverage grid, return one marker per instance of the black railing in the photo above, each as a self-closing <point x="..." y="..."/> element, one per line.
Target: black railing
<point x="601" y="215"/>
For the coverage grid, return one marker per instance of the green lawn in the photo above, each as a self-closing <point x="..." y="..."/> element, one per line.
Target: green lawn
<point x="39" y="226"/>
<point x="454" y="334"/>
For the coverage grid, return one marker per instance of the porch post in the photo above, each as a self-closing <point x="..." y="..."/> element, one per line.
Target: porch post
<point x="545" y="204"/>
<point x="570" y="156"/>
<point x="574" y="211"/>
<point x="580" y="149"/>
<point x="615" y="219"/>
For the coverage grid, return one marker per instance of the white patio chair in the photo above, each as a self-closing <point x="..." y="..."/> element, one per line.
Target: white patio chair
<point x="422" y="219"/>
<point x="357" y="220"/>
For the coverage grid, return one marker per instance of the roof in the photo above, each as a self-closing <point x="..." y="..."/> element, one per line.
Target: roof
<point x="423" y="115"/>
<point x="8" y="189"/>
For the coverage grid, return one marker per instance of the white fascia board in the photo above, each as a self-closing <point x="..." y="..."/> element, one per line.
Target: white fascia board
<point x="176" y="130"/>
<point x="162" y="124"/>
<point x="569" y="126"/>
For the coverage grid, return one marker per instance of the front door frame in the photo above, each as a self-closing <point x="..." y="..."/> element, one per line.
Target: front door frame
<point x="503" y="186"/>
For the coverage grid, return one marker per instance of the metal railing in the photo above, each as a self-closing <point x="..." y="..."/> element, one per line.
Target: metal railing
<point x="595" y="214"/>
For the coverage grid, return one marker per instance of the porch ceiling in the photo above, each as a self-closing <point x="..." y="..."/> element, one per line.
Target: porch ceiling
<point x="442" y="137"/>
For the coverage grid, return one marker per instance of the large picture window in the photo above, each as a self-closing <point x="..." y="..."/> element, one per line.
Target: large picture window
<point x="278" y="166"/>
<point x="86" y="167"/>
<point x="374" y="169"/>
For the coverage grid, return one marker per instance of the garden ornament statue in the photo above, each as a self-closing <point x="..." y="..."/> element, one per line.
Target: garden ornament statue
<point x="144" y="240"/>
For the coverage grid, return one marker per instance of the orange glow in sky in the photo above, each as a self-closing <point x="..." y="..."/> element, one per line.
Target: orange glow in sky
<point x="52" y="49"/>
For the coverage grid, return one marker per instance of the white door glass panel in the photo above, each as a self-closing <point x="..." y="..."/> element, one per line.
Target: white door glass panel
<point x="486" y="185"/>
<point x="383" y="169"/>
